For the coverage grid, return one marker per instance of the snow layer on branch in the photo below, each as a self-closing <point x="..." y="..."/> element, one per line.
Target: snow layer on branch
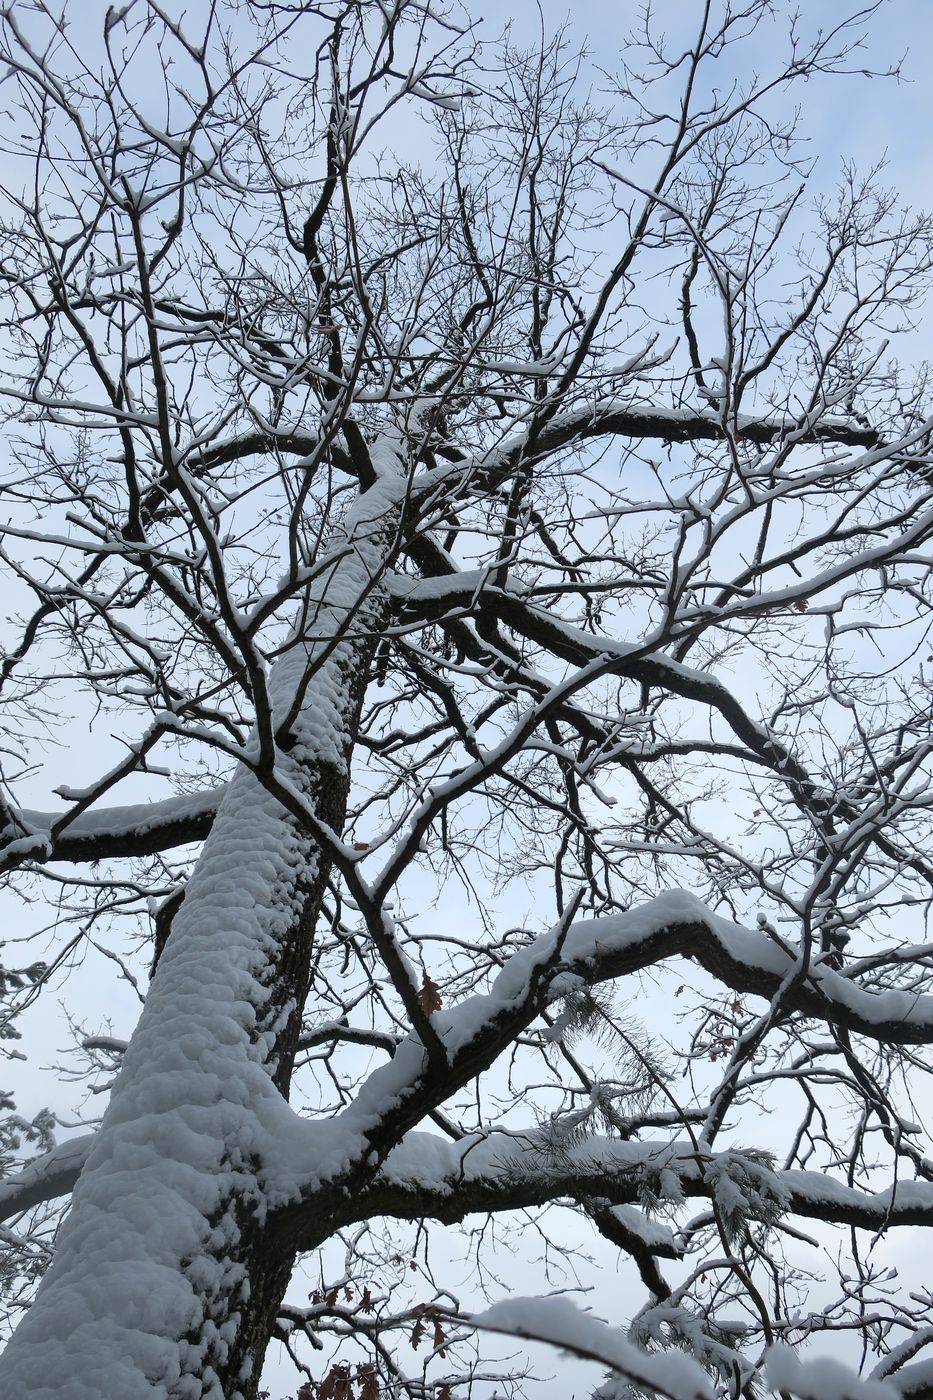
<point x="569" y="959"/>
<point x="591" y="942"/>
<point x="821" y="1378"/>
<point x="635" y="418"/>
<point x="138" y="817"/>
<point x="426" y="1162"/>
<point x="427" y="1168"/>
<point x="340" y="606"/>
<point x="652" y="1232"/>
<point x="433" y="589"/>
<point x="560" y="1323"/>
<point x="912" y="1381"/>
<point x="824" y="1191"/>
<point x="53" y="1174"/>
<point x="140" y="1301"/>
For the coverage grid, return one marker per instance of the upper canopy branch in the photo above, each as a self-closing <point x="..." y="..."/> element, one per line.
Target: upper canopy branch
<point x="437" y="597"/>
<point x="631" y="419"/>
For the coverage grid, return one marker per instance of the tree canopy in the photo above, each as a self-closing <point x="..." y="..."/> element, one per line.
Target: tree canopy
<point x="478" y="520"/>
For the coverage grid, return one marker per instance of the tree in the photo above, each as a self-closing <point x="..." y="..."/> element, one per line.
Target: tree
<point x="448" y="494"/>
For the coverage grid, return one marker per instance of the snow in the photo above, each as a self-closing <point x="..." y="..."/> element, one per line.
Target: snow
<point x="609" y="416"/>
<point x="140" y="1301"/>
<point x="590" y="943"/>
<point x="138" y="817"/>
<point x="147" y="1257"/>
<point x="439" y="587"/>
<point x="35" y="847"/>
<point x="560" y="1323"/>
<point x="891" y="1367"/>
<point x="822" y="1191"/>
<point x="651" y="1232"/>
<point x="52" y="1174"/>
<point x="821" y="1378"/>
<point x="427" y="1162"/>
<point x="912" y="1381"/>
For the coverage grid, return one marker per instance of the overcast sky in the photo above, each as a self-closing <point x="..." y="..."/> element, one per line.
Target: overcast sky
<point x="852" y="118"/>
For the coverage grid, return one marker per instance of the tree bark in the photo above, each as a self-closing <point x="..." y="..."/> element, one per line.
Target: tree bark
<point x="166" y="1282"/>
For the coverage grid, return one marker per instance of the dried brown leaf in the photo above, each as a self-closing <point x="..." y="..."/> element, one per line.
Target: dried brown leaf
<point x="429" y="998"/>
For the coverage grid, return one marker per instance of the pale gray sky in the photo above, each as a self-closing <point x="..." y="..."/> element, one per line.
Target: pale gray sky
<point x="851" y="118"/>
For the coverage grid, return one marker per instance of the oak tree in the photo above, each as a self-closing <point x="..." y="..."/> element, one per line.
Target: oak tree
<point x="477" y="506"/>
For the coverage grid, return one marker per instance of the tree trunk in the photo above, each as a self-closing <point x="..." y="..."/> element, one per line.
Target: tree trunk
<point x="166" y="1281"/>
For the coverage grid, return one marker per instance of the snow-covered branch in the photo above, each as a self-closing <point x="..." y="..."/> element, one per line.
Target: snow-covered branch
<point x="627" y="418"/>
<point x="46" y="1178"/>
<point x="521" y="532"/>
<point x="107" y="833"/>
<point x="515" y="1170"/>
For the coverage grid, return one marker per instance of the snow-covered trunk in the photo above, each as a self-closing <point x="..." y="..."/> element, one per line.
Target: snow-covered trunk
<point x="165" y="1281"/>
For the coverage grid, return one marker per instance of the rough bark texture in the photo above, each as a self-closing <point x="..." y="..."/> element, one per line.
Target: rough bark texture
<point x="166" y="1260"/>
